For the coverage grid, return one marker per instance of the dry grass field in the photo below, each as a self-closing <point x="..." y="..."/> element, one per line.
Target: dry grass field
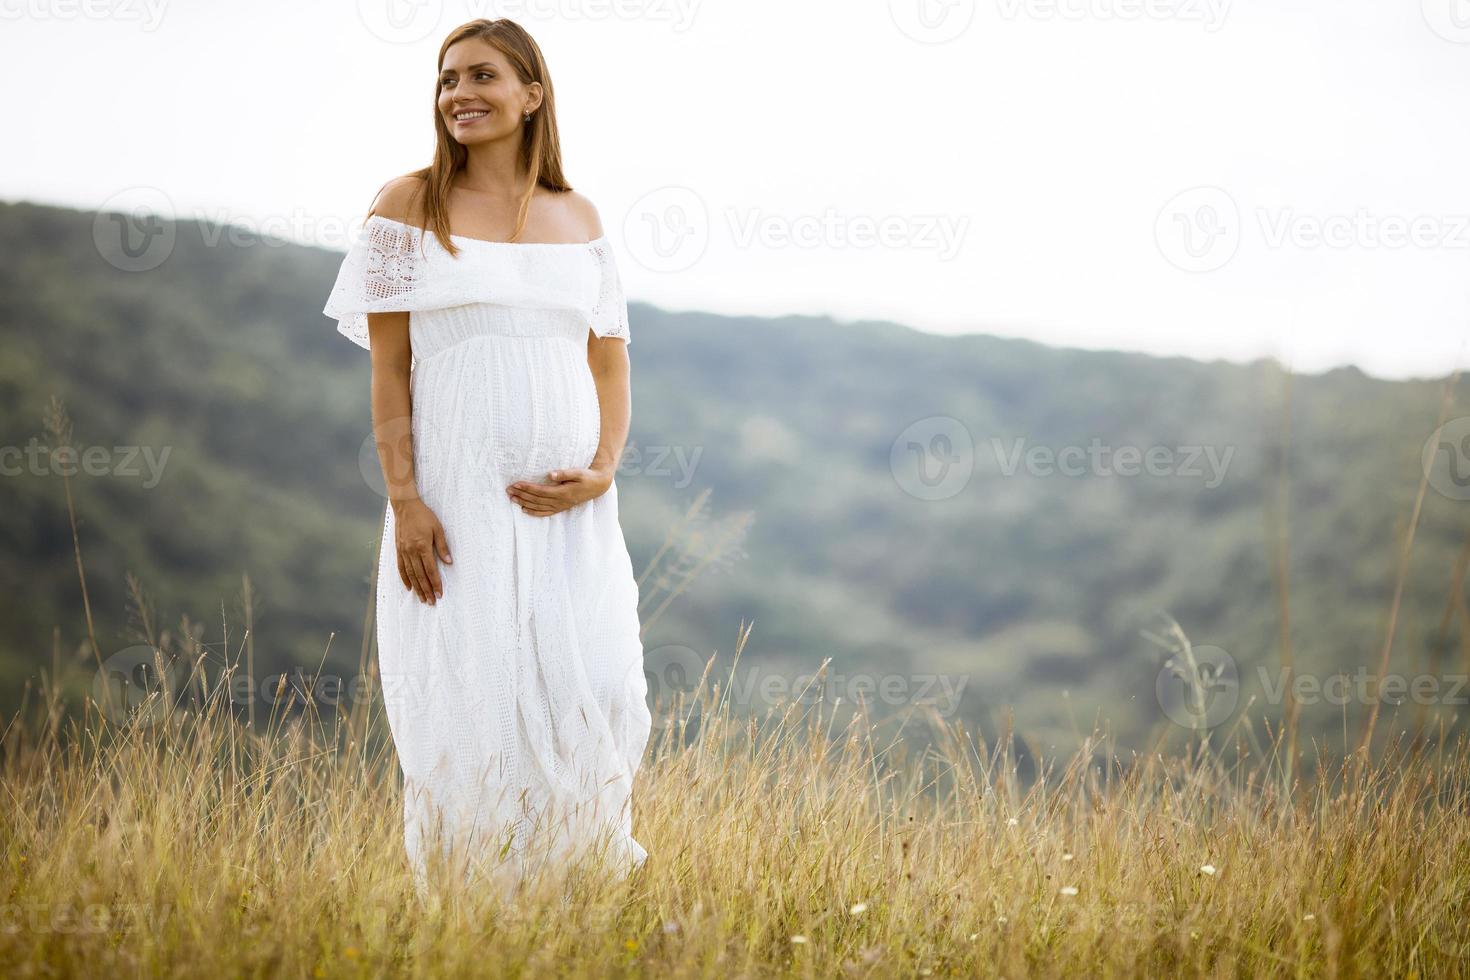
<point x="167" y="838"/>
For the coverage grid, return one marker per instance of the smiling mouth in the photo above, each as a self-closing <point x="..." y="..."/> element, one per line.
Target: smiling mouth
<point x="470" y="115"/>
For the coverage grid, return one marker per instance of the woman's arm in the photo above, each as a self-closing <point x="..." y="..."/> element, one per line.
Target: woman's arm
<point x="392" y="404"/>
<point x="607" y="357"/>
<point x="420" y="536"/>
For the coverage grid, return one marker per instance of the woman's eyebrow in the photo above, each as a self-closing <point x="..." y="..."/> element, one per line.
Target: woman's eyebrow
<point x="483" y="64"/>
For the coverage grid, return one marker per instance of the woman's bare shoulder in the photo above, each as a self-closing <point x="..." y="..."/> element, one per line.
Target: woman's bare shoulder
<point x="401" y="200"/>
<point x="584" y="214"/>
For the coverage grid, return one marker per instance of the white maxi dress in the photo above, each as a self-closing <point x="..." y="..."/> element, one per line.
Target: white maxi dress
<point x="517" y="702"/>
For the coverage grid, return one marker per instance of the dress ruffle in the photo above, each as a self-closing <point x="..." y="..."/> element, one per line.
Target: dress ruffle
<point x="393" y="267"/>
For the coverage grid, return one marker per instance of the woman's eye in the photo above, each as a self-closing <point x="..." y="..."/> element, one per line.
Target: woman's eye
<point x="483" y="74"/>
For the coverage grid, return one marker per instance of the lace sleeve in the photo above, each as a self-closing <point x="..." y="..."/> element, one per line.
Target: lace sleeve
<point x="380" y="274"/>
<point x="610" y="313"/>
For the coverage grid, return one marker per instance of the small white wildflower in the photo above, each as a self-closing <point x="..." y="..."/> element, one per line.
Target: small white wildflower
<point x="859" y="908"/>
<point x="1066" y="857"/>
<point x="974" y="936"/>
<point x="798" y="939"/>
<point x="1207" y="869"/>
<point x="1001" y="920"/>
<point x="1308" y="917"/>
<point x="1012" y="822"/>
<point x="1069" y="889"/>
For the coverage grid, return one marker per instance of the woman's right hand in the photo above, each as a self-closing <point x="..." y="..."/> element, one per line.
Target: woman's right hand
<point x="421" y="542"/>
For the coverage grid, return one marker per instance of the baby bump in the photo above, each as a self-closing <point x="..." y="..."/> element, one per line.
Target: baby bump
<point x="495" y="410"/>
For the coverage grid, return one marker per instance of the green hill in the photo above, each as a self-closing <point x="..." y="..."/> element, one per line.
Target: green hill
<point x="1033" y="577"/>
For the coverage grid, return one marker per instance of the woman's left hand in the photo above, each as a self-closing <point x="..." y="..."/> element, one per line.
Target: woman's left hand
<point x="564" y="489"/>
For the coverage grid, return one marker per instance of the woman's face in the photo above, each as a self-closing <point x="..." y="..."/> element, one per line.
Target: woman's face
<point x="480" y="97"/>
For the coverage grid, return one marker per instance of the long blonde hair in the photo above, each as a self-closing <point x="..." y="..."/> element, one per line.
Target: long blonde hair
<point x="540" y="144"/>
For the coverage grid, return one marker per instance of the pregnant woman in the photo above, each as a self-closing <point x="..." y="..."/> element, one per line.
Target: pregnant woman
<point x="508" y="636"/>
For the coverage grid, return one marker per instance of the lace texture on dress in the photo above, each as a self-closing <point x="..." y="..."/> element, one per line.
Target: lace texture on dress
<point x="609" y="316"/>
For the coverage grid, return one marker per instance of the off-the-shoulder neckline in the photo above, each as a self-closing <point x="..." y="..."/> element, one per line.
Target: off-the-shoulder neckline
<point x="485" y="241"/>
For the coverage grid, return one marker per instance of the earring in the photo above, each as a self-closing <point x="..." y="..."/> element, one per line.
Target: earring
<point x="528" y="115"/>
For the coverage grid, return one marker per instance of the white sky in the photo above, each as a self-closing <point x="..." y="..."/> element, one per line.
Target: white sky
<point x="1029" y="155"/>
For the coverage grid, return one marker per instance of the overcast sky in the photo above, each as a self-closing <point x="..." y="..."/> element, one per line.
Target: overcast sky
<point x="1200" y="177"/>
